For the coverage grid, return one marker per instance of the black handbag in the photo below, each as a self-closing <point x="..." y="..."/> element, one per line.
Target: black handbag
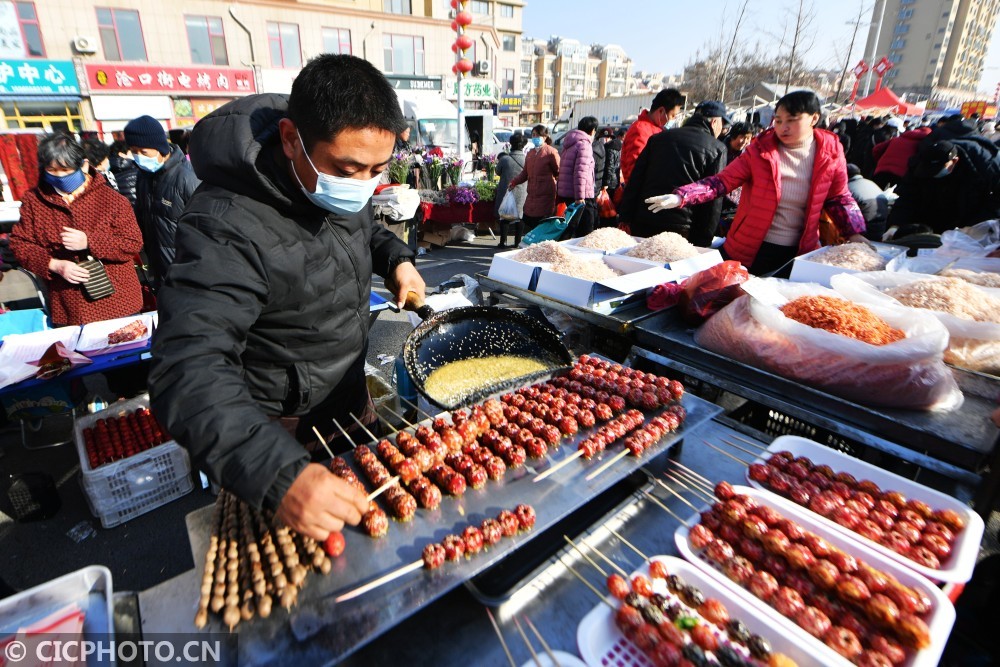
<point x="98" y="286"/>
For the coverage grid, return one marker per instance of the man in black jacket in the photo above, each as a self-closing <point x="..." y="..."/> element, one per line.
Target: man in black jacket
<point x="264" y="313"/>
<point x="164" y="184"/>
<point x="672" y="159"/>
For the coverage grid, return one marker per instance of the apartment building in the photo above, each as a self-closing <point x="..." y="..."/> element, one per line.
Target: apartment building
<point x="559" y="71"/>
<point x="937" y="47"/>
<point x="95" y="64"/>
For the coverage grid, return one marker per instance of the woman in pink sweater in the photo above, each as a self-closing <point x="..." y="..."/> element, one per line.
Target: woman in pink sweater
<point x="789" y="174"/>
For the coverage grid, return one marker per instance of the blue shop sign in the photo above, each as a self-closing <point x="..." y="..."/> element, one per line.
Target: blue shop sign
<point x="38" y="77"/>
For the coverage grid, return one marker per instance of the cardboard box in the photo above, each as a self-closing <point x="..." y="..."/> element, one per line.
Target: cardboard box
<point x="508" y="270"/>
<point x="805" y="270"/>
<point x="606" y="296"/>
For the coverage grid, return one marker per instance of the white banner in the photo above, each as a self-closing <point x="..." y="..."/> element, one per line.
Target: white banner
<point x="11" y="43"/>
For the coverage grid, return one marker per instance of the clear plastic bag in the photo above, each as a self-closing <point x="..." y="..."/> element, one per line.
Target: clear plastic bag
<point x="508" y="207"/>
<point x="909" y="373"/>
<point x="972" y="345"/>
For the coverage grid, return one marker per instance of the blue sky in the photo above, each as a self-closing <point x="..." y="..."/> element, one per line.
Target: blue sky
<point x="663" y="35"/>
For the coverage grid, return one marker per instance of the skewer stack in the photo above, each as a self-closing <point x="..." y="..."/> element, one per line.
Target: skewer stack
<point x="252" y="562"/>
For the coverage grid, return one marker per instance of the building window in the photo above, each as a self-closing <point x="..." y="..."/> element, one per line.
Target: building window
<point x="937" y="46"/>
<point x="397" y="6"/>
<point x="509" y="43"/>
<point x="902" y="28"/>
<point x="31" y="32"/>
<point x="506" y="11"/>
<point x="898" y="43"/>
<point x="480" y="7"/>
<point x="121" y="34"/>
<point x="404" y="54"/>
<point x="337" y="40"/>
<point x="283" y="41"/>
<point x="525" y="68"/>
<point x="905" y="13"/>
<point x="207" y="40"/>
<point x="549" y="98"/>
<point x="509" y="84"/>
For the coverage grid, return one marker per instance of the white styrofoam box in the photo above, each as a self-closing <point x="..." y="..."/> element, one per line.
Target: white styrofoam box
<point x="508" y="270"/>
<point x="94" y="336"/>
<point x="89" y="588"/>
<point x="939" y="619"/>
<point x="606" y="296"/>
<point x="685" y="268"/>
<point x="575" y="245"/>
<point x="805" y="270"/>
<point x="601" y="643"/>
<point x="957" y="569"/>
<point x="124" y="489"/>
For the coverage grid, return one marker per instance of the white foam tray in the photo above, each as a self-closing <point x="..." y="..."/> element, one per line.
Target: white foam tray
<point x="939" y="620"/>
<point x="956" y="570"/>
<point x="602" y="644"/>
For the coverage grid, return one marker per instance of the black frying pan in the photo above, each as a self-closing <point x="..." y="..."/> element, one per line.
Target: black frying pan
<point x="474" y="332"/>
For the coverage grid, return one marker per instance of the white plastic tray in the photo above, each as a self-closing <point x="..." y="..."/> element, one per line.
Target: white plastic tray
<point x="94" y="336"/>
<point x="563" y="659"/>
<point x="939" y="620"/>
<point x="957" y="569"/>
<point x="602" y="644"/>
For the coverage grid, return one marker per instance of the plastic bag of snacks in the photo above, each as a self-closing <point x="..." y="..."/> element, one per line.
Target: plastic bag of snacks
<point x="706" y="292"/>
<point x="964" y="309"/>
<point x="905" y="371"/>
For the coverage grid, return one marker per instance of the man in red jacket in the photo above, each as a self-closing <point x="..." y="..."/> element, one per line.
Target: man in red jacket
<point x="664" y="108"/>
<point x="892" y="157"/>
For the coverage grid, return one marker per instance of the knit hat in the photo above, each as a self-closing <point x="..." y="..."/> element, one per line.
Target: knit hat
<point x="146" y="132"/>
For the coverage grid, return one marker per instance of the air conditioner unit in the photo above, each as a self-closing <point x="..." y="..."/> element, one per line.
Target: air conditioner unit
<point x="84" y="44"/>
<point x="483" y="67"/>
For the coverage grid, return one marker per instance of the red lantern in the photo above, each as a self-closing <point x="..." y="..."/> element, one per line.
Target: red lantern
<point x="464" y="42"/>
<point x="463" y="18"/>
<point x="454" y="4"/>
<point x="464" y="65"/>
<point x="454" y="68"/>
<point x="454" y="26"/>
<point x="454" y="48"/>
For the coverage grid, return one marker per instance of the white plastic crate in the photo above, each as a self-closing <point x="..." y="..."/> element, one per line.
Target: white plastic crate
<point x="122" y="490"/>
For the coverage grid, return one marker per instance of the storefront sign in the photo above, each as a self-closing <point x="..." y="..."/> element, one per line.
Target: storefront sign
<point x="511" y="102"/>
<point x="11" y="41"/>
<point x="131" y="78"/>
<point x="475" y="89"/>
<point x="415" y="83"/>
<point x="38" y="77"/>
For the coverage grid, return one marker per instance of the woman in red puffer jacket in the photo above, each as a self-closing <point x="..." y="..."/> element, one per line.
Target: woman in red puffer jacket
<point x="70" y="214"/>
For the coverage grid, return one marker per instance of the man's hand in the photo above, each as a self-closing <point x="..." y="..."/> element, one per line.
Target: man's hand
<point x="319" y="503"/>
<point x="663" y="202"/>
<point x="70" y="271"/>
<point x="406" y="279"/>
<point x="73" y="239"/>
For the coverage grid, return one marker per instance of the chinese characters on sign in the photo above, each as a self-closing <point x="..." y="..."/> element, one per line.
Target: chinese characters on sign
<point x="127" y="78"/>
<point x="473" y="89"/>
<point x="511" y="102"/>
<point x="38" y="77"/>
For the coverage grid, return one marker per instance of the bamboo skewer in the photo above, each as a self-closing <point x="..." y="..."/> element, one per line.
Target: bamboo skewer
<point x="399" y="416"/>
<point x="520" y="630"/>
<point x="605" y="558"/>
<point x="323" y="442"/>
<point x="686" y="478"/>
<point x="725" y="453"/>
<point x="559" y="466"/>
<point x="613" y="460"/>
<point x="503" y="642"/>
<point x="690" y="486"/>
<point x="665" y="508"/>
<point x="588" y="585"/>
<point x="692" y="472"/>
<point x="742" y="449"/>
<point x="676" y="494"/>
<point x="417" y="408"/>
<point x="629" y="545"/>
<point x="389" y="483"/>
<point x="585" y="556"/>
<point x="364" y="428"/>
<point x="541" y="640"/>
<point x="750" y="442"/>
<point x="344" y="433"/>
<point x="384" y="579"/>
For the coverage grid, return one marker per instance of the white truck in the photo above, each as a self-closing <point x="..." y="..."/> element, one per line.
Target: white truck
<point x="608" y="111"/>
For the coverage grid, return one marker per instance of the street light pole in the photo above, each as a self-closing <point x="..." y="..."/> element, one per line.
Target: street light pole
<point x="871" y="55"/>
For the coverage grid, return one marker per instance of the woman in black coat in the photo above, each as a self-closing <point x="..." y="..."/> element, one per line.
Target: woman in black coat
<point x="124" y="170"/>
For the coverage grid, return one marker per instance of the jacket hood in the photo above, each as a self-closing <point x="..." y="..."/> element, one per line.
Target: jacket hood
<point x="233" y="148"/>
<point x="700" y="122"/>
<point x="574" y="137"/>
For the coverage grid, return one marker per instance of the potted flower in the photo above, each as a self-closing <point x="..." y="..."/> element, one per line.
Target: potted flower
<point x="489" y="163"/>
<point x="435" y="168"/>
<point x="454" y="166"/>
<point x="399" y="167"/>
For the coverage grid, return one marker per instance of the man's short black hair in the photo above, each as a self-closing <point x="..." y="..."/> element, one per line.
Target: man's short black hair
<point x="120" y="146"/>
<point x="799" y="102"/>
<point x="588" y="124"/>
<point x="518" y="141"/>
<point x="738" y="130"/>
<point x="336" y="92"/>
<point x="668" y="98"/>
<point x="96" y="150"/>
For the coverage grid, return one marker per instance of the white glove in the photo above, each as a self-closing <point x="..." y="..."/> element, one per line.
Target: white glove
<point x="663" y="202"/>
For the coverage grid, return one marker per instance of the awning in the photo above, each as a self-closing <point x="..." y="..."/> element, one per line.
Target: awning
<point x="39" y="98"/>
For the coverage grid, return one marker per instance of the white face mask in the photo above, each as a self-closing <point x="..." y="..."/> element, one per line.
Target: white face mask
<point x="336" y="193"/>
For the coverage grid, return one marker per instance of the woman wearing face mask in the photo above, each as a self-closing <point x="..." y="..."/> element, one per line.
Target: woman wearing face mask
<point x="789" y="175"/>
<point x="70" y="214"/>
<point x="541" y="170"/>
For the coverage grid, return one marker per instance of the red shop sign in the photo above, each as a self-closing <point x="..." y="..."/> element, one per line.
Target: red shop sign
<point x="196" y="80"/>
